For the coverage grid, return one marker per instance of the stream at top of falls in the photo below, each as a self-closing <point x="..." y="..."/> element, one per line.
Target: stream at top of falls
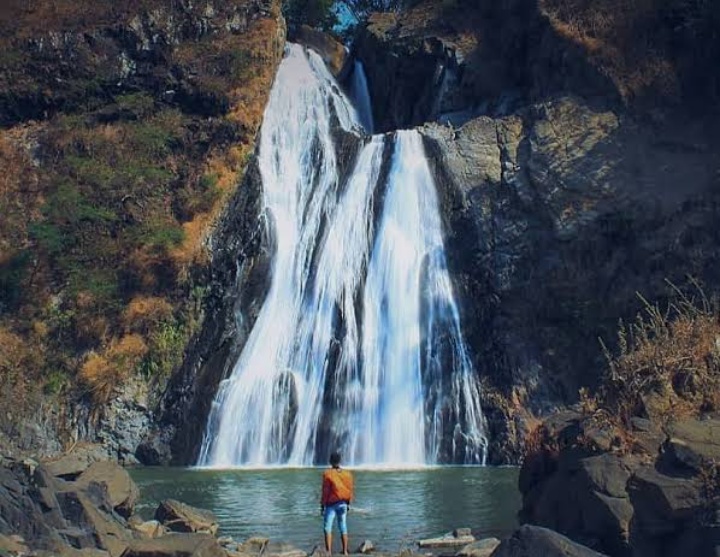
<point x="358" y="345"/>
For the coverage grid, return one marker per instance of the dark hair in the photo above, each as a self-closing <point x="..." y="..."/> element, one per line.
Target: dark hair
<point x="335" y="459"/>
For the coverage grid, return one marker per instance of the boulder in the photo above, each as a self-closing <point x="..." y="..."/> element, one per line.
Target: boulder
<point x="149" y="529"/>
<point x="534" y="541"/>
<point x="122" y="492"/>
<point x="457" y="538"/>
<point x="177" y="545"/>
<point x="480" y="548"/>
<point x="663" y="504"/>
<point x="94" y="527"/>
<point x="180" y="517"/>
<point x="692" y="443"/>
<point x="71" y="465"/>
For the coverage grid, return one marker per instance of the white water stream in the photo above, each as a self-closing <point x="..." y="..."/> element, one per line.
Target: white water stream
<point x="358" y="344"/>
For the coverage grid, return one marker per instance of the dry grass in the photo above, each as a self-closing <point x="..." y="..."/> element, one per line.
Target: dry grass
<point x="145" y="312"/>
<point x="667" y="365"/>
<point x="104" y="372"/>
<point x="643" y="46"/>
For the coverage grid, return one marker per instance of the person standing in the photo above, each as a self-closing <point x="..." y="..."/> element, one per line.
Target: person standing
<point x="337" y="494"/>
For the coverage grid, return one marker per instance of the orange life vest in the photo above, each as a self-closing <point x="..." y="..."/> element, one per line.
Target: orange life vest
<point x="337" y="486"/>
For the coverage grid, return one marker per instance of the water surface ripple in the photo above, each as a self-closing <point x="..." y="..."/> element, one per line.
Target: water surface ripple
<point x="394" y="508"/>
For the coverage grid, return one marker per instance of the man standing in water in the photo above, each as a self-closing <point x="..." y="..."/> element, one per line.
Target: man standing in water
<point x="337" y="494"/>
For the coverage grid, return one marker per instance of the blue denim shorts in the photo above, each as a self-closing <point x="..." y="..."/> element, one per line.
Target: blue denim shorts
<point x="340" y="509"/>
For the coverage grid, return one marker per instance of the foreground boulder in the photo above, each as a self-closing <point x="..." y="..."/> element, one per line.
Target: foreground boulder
<point x="647" y="492"/>
<point x="121" y="490"/>
<point x="69" y="466"/>
<point x="533" y="541"/>
<point x="180" y="517"/>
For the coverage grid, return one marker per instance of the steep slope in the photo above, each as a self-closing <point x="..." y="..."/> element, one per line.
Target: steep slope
<point x="125" y="132"/>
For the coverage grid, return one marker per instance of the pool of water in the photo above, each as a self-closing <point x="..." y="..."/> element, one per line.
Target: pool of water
<point x="393" y="508"/>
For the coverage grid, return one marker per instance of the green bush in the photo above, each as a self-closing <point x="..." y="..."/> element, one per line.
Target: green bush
<point x="55" y="382"/>
<point x="164" y="236"/>
<point x="139" y="104"/>
<point x="49" y="237"/>
<point x="167" y="344"/>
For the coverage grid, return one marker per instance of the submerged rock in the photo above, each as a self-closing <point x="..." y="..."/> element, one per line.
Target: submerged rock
<point x="367" y="546"/>
<point x="180" y="517"/>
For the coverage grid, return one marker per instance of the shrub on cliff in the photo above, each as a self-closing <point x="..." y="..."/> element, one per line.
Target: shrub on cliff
<point x="667" y="365"/>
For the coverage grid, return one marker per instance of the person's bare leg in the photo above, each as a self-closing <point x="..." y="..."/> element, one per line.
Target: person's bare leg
<point x="328" y="543"/>
<point x="344" y="538"/>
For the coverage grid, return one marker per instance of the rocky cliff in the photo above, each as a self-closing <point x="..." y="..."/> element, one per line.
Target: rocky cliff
<point x="126" y="130"/>
<point x="569" y="185"/>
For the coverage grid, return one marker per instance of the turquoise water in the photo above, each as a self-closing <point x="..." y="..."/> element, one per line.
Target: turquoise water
<point x="392" y="508"/>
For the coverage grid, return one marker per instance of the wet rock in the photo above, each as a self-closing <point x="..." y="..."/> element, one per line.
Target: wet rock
<point x="367" y="546"/>
<point x="121" y="490"/>
<point x="255" y="544"/>
<point x="480" y="548"/>
<point x="180" y="517"/>
<point x="154" y="450"/>
<point x="458" y="537"/>
<point x="533" y="541"/>
<point x="177" y="545"/>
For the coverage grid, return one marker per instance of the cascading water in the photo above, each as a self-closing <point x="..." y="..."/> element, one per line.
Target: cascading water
<point x="361" y="96"/>
<point x="358" y="343"/>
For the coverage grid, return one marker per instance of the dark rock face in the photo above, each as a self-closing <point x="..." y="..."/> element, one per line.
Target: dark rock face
<point x="645" y="503"/>
<point x="408" y="76"/>
<point x="241" y="254"/>
<point x="556" y="216"/>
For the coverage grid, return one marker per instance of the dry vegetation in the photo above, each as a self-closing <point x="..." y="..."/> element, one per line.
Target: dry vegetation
<point x="106" y="205"/>
<point x="649" y="48"/>
<point x="667" y="366"/>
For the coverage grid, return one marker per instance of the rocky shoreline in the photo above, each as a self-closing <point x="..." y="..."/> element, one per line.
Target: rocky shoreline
<point x="74" y="506"/>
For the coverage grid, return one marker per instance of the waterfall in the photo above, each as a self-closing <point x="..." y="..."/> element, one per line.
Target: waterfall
<point x="358" y="343"/>
<point x="361" y="97"/>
